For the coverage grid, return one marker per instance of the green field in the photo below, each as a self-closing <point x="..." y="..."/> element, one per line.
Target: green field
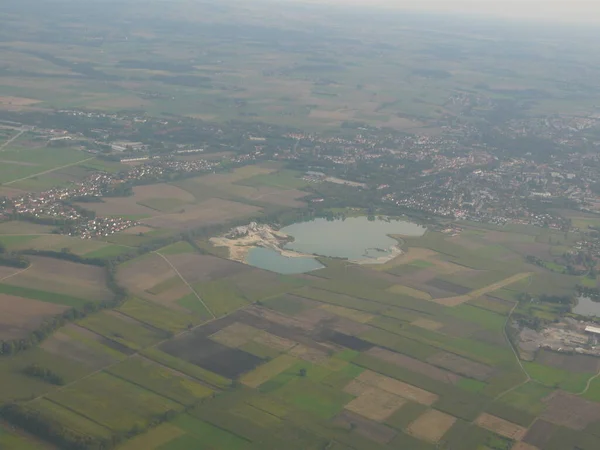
<point x="10" y="440"/>
<point x="158" y="316"/>
<point x="160" y="380"/>
<point x="130" y="333"/>
<point x="44" y="296"/>
<point x="28" y="162"/>
<point x="112" y="402"/>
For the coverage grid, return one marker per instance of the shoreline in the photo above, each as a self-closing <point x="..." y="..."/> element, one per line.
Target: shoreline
<point x="264" y="236"/>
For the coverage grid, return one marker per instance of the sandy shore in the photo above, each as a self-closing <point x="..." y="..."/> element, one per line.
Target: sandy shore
<point x="265" y="237"/>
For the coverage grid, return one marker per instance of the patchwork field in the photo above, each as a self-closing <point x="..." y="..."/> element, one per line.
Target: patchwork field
<point x="342" y="356"/>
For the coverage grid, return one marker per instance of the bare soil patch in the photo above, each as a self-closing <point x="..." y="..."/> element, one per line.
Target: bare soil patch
<point x="501" y="426"/>
<point x="161" y="190"/>
<point x="118" y="206"/>
<point x="10" y="192"/>
<point x="145" y="273"/>
<point x="308" y="354"/>
<point x="523" y="446"/>
<point x="235" y="335"/>
<point x="449" y="286"/>
<point x="415" y="365"/>
<point x="137" y="230"/>
<point x="427" y="324"/>
<point x="64" y="277"/>
<point x="539" y="434"/>
<point x="572" y="363"/>
<point x="365" y="427"/>
<point x="538" y="250"/>
<point x="7" y="271"/>
<point x="396" y="387"/>
<point x="208" y="212"/>
<point x="19" y="316"/>
<point x="375" y="404"/>
<point x="570" y="411"/>
<point x="462" y="366"/>
<point x="431" y="426"/>
<point x="274" y="342"/>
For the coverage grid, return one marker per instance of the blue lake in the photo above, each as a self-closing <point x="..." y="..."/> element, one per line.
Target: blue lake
<point x="266" y="258"/>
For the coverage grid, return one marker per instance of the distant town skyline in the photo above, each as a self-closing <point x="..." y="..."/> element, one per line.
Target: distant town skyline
<point x="545" y="10"/>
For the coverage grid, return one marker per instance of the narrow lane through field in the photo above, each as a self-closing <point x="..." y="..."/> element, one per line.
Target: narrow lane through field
<point x="12" y="139"/>
<point x="48" y="171"/>
<point x="186" y="283"/>
<point x="589" y="383"/>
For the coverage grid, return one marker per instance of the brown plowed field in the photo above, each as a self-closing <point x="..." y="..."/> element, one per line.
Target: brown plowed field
<point x="539" y="434"/>
<point x="197" y="268"/>
<point x="501" y="427"/>
<point x="63" y="277"/>
<point x="208" y="212"/>
<point x="570" y="411"/>
<point x="145" y="273"/>
<point x="572" y="363"/>
<point x="523" y="446"/>
<point x="414" y="365"/>
<point x="19" y="316"/>
<point x="130" y="205"/>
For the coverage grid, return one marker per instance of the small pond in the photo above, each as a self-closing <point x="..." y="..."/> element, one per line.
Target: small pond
<point x="587" y="307"/>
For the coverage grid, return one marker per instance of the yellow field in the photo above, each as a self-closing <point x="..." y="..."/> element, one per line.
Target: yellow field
<point x="396" y="387"/>
<point x="458" y="300"/>
<point x="427" y="324"/>
<point x="235" y="335"/>
<point x="267" y="371"/>
<point x="375" y="404"/>
<point x="431" y="426"/>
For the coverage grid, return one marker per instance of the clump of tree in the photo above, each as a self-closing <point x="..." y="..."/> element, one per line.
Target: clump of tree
<point x="586" y="291"/>
<point x="43" y="373"/>
<point x="11" y="259"/>
<point x="558" y="299"/>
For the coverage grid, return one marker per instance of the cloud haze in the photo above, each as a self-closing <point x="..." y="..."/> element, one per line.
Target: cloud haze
<point x="563" y="10"/>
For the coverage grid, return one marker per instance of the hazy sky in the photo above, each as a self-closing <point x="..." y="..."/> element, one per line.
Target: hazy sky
<point x="562" y="10"/>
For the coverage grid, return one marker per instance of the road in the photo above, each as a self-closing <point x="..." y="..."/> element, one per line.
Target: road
<point x="48" y="171"/>
<point x="516" y="353"/>
<point x="12" y="139"/>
